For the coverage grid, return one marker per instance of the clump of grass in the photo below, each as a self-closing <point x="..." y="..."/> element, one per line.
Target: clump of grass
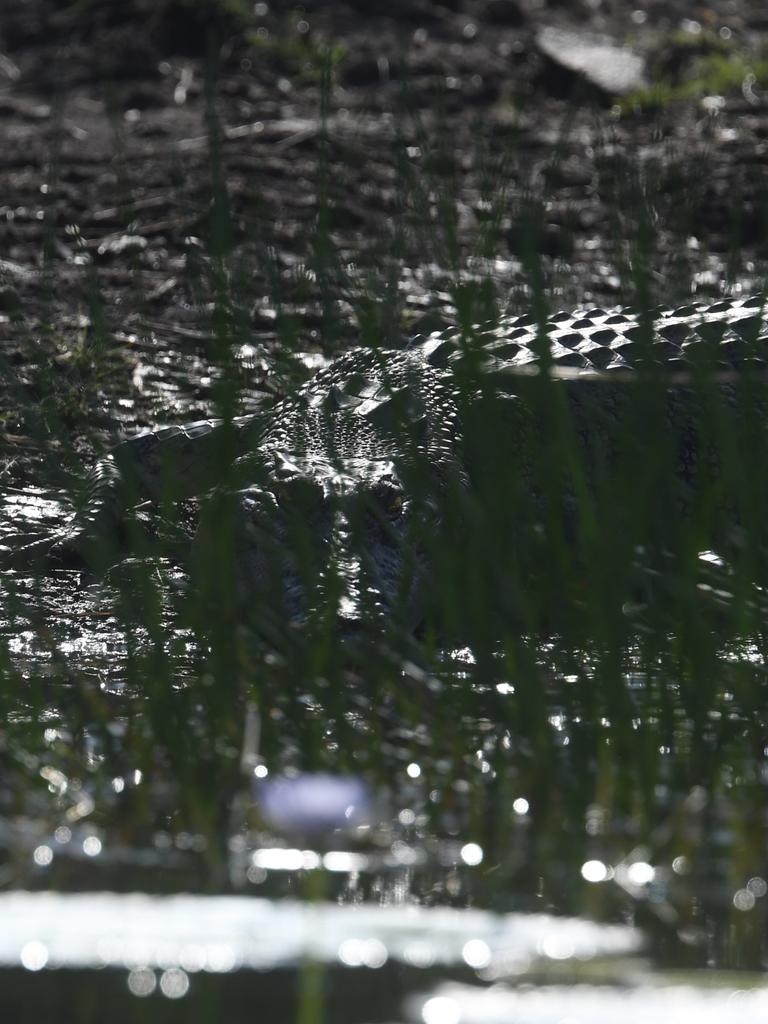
<point x="705" y="66"/>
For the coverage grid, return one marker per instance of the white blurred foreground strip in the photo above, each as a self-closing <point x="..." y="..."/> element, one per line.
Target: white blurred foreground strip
<point x="652" y="1003"/>
<point x="225" y="933"/>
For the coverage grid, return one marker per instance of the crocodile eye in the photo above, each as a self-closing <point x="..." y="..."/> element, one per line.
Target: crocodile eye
<point x="389" y="500"/>
<point x="300" y="492"/>
<point x="394" y="503"/>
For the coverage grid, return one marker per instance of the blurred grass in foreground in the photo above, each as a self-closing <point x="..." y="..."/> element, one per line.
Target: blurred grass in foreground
<point x="615" y="681"/>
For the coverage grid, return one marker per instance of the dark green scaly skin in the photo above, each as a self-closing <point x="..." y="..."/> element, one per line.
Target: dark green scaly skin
<point x="364" y="452"/>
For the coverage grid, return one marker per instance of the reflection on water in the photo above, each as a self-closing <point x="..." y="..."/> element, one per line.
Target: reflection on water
<point x="23" y="511"/>
<point x="226" y="933"/>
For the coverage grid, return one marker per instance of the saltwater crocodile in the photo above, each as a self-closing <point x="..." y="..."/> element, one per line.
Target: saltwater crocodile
<point x="331" y="498"/>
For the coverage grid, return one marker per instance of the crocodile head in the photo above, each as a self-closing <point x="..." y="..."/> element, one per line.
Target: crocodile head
<point x="334" y="540"/>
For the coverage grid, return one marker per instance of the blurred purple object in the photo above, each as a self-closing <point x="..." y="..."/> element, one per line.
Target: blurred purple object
<point x="314" y="803"/>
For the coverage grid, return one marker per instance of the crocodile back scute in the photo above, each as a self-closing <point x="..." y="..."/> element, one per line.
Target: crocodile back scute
<point x="728" y="333"/>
